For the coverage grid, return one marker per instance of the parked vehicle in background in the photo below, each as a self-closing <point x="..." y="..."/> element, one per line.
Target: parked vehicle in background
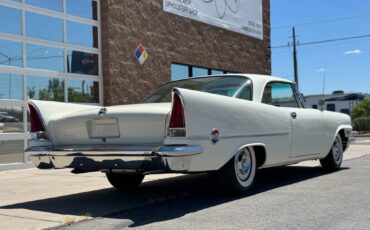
<point x="229" y="124"/>
<point x="4" y="117"/>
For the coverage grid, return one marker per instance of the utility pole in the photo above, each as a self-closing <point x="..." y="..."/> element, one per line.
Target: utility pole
<point x="295" y="63"/>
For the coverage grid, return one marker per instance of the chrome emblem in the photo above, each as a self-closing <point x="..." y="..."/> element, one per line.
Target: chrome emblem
<point x="102" y="112"/>
<point x="215" y="136"/>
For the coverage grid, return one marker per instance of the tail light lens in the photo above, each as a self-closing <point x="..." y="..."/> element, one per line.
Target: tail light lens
<point x="176" y="126"/>
<point x="36" y="123"/>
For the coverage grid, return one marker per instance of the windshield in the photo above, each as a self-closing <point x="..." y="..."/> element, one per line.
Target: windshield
<point x="231" y="86"/>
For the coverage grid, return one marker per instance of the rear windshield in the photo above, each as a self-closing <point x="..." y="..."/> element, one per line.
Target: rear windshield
<point x="231" y="86"/>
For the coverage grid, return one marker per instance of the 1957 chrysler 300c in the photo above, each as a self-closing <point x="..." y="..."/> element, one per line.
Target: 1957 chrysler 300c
<point x="228" y="124"/>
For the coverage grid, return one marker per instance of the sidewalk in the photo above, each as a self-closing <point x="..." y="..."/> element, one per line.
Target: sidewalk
<point x="37" y="199"/>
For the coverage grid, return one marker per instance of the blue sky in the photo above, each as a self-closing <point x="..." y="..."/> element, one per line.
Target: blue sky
<point x="346" y="64"/>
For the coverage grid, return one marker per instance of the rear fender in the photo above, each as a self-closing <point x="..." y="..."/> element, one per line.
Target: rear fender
<point x="261" y="159"/>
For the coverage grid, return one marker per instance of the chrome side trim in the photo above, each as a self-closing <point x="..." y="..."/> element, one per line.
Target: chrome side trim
<point x="229" y="136"/>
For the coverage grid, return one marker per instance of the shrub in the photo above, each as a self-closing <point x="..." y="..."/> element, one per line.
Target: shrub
<point x="361" y="110"/>
<point x="362" y="124"/>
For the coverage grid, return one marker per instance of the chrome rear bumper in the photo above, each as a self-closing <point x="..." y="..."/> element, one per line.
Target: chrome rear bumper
<point x="144" y="159"/>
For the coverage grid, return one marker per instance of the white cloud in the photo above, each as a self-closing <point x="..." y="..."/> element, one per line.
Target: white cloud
<point x="356" y="51"/>
<point x="321" y="70"/>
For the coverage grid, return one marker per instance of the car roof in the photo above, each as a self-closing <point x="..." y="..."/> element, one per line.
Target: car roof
<point x="259" y="82"/>
<point x="257" y="77"/>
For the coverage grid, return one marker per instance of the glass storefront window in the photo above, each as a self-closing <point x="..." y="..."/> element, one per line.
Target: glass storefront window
<point x="83" y="91"/>
<point x="197" y="71"/>
<point x="49" y="4"/>
<point x="11" y="86"/>
<point x="11" y="20"/>
<point x="11" y="151"/>
<point x="46" y="89"/>
<point x="215" y="72"/>
<point x="10" y="53"/>
<point x="82" y="8"/>
<point x="82" y="63"/>
<point x="81" y="34"/>
<point x="43" y="57"/>
<point x="179" y="72"/>
<point x="11" y="119"/>
<point x="44" y="27"/>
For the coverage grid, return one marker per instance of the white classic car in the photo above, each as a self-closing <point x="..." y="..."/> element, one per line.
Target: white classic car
<point x="229" y="124"/>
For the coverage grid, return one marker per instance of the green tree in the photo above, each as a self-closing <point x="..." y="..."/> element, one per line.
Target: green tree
<point x="31" y="92"/>
<point x="54" y="91"/>
<point x="361" y="110"/>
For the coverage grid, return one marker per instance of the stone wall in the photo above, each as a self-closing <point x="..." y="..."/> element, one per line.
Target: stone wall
<point x="169" y="38"/>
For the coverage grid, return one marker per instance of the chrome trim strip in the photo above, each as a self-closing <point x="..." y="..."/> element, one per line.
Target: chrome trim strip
<point x="229" y="136"/>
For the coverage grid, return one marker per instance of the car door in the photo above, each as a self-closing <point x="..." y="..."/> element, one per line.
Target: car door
<point x="306" y="124"/>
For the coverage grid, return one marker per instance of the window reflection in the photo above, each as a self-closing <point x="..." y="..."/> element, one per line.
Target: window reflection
<point x="82" y="63"/>
<point x="215" y="72"/>
<point x="10" y="53"/>
<point x="82" y="8"/>
<point x="81" y="34"/>
<point x="197" y="71"/>
<point x="44" y="27"/>
<point x="10" y="21"/>
<point x="179" y="72"/>
<point x="10" y="86"/>
<point x="43" y="88"/>
<point x="11" y="119"/>
<point x="83" y="91"/>
<point x="43" y="57"/>
<point x="11" y="151"/>
<point x="49" y="4"/>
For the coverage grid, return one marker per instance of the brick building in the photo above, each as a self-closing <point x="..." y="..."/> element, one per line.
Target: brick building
<point x="84" y="51"/>
<point x="169" y="39"/>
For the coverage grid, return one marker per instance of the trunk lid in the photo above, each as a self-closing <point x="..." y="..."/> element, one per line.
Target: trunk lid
<point x="136" y="124"/>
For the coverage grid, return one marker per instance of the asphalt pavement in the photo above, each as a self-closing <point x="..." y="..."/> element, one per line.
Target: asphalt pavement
<point x="291" y="197"/>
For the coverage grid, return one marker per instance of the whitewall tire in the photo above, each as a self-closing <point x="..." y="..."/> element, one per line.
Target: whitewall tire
<point x="334" y="159"/>
<point x="239" y="173"/>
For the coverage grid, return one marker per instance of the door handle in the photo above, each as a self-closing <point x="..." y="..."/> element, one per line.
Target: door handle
<point x="294" y="115"/>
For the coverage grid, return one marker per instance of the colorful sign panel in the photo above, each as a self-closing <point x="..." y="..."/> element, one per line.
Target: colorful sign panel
<point x="141" y="54"/>
<point x="242" y="16"/>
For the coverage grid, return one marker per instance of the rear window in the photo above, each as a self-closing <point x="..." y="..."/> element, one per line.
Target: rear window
<point x="231" y="86"/>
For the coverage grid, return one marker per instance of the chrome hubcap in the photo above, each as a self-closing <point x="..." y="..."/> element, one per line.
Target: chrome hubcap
<point x="243" y="164"/>
<point x="337" y="150"/>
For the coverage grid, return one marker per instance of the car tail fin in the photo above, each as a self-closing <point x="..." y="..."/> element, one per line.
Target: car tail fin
<point x="176" y="125"/>
<point x="38" y="130"/>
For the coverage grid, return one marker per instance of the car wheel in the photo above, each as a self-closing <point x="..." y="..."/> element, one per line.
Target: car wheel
<point x="334" y="159"/>
<point x="239" y="173"/>
<point x="124" y="181"/>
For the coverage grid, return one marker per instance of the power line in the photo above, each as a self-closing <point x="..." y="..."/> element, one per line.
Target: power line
<point x="322" y="21"/>
<point x="322" y="41"/>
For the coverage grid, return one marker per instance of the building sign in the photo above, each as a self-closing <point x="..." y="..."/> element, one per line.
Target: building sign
<point x="242" y="16"/>
<point x="141" y="54"/>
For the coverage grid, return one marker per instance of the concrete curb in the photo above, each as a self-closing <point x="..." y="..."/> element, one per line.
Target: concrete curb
<point x="15" y="166"/>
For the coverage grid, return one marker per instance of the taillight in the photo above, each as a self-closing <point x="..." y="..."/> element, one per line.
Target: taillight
<point x="36" y="123"/>
<point x="176" y="125"/>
